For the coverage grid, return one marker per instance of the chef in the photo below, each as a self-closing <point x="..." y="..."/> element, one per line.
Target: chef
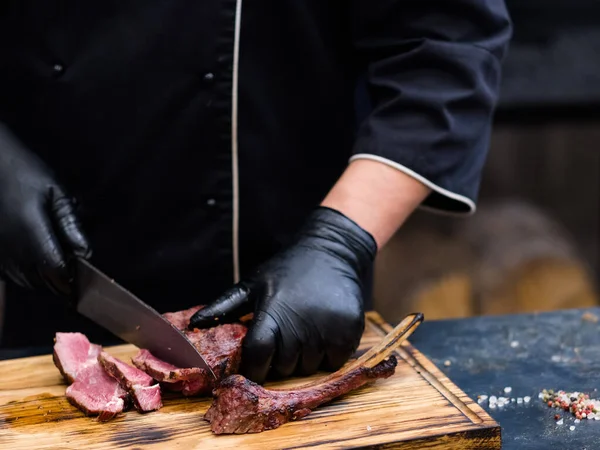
<point x="210" y="152"/>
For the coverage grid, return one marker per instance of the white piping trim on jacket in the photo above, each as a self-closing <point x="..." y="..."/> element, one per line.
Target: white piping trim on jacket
<point x="234" y="143"/>
<point x="425" y="181"/>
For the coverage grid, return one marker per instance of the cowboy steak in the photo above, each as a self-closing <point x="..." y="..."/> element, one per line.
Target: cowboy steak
<point x="91" y="389"/>
<point x="141" y="386"/>
<point x="102" y="385"/>
<point x="241" y="406"/>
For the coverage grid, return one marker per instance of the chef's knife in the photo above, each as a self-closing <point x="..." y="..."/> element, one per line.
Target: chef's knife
<point x="112" y="307"/>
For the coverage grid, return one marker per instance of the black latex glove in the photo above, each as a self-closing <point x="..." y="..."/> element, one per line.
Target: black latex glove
<point x="307" y="301"/>
<point x="38" y="227"/>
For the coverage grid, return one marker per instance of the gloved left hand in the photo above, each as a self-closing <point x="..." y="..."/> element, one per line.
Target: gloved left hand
<point x="307" y="300"/>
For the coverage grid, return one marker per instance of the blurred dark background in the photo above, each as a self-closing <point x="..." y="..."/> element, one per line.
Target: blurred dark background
<point x="534" y="244"/>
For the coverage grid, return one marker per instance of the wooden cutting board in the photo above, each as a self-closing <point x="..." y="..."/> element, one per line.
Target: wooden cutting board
<point x="416" y="408"/>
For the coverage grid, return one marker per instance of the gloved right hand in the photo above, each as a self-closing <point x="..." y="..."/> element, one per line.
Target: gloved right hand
<point x="38" y="226"/>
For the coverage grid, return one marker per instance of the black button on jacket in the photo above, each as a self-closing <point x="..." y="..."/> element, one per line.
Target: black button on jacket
<point x="198" y="134"/>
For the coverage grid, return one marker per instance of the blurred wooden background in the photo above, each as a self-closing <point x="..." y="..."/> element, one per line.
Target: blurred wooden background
<point x="533" y="245"/>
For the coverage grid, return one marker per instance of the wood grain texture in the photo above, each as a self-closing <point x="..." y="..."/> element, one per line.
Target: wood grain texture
<point x="418" y="407"/>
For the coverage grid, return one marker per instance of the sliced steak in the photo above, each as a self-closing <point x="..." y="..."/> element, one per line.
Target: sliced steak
<point x="242" y="406"/>
<point x="220" y="346"/>
<point x="72" y="353"/>
<point x="141" y="386"/>
<point x="147" y="398"/>
<point x="187" y="381"/>
<point x="97" y="394"/>
<point x="91" y="390"/>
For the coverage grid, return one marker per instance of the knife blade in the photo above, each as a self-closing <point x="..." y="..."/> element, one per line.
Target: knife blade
<point x="111" y="306"/>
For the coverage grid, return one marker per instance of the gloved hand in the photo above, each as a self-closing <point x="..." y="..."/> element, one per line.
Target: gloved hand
<point x="307" y="301"/>
<point x="38" y="227"/>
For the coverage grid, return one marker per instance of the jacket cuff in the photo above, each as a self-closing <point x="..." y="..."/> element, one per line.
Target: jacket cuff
<point x="441" y="200"/>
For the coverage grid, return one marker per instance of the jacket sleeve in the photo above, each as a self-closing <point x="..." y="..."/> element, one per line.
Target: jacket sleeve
<point x="433" y="73"/>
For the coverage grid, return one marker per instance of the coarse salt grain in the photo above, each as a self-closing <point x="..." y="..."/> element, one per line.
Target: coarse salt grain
<point x="492" y="405"/>
<point x="513" y="400"/>
<point x="527" y="399"/>
<point x="507" y="389"/>
<point x="577" y="420"/>
<point x="559" y="422"/>
<point x="555" y="358"/>
<point x="447" y="363"/>
<point x="572" y="427"/>
<point x="519" y="400"/>
<point x="493" y="399"/>
<point x="514" y="344"/>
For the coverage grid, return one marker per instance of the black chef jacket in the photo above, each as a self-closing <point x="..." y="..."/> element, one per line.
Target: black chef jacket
<point x="198" y="134"/>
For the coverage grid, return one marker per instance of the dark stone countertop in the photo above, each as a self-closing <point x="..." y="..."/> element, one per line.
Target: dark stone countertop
<point x="558" y="350"/>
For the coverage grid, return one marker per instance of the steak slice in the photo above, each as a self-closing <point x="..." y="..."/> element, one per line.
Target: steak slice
<point x="72" y="353"/>
<point x="97" y="394"/>
<point x="141" y="386"/>
<point x="242" y="406"/>
<point x="220" y="346"/>
<point x="187" y="381"/>
<point x="91" y="390"/>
